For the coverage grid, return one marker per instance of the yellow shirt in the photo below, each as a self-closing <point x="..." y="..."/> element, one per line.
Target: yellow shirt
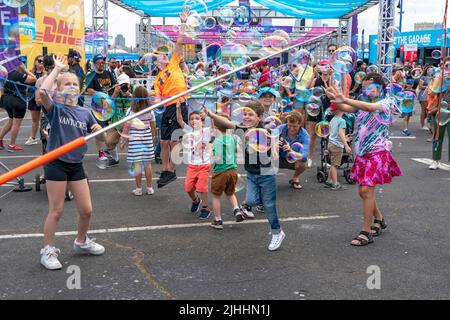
<point x="170" y="81"/>
<point x="309" y="73"/>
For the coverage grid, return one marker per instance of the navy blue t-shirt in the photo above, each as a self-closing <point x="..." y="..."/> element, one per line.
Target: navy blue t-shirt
<point x="68" y="123"/>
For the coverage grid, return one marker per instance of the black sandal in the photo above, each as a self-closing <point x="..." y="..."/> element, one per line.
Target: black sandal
<point x="362" y="241"/>
<point x="377" y="230"/>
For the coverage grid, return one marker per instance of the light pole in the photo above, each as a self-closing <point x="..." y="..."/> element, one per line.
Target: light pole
<point x="400" y="6"/>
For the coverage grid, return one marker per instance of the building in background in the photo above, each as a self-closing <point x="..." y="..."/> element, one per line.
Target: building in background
<point x="427" y="26"/>
<point x="119" y="41"/>
<point x="414" y="46"/>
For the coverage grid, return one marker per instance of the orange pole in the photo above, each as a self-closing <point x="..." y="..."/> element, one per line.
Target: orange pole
<point x="44" y="159"/>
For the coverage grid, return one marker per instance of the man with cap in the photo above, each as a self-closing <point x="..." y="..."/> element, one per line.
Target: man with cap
<point x="101" y="80"/>
<point x="73" y="59"/>
<point x="122" y="93"/>
<point x="264" y="79"/>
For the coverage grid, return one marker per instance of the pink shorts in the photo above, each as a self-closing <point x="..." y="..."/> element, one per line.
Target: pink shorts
<point x="375" y="168"/>
<point x="197" y="178"/>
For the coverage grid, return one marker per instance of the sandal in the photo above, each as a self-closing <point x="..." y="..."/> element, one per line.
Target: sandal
<point x="377" y="230"/>
<point x="295" y="185"/>
<point x="362" y="241"/>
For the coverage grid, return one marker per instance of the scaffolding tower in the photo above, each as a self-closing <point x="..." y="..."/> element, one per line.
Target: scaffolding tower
<point x="386" y="47"/>
<point x="100" y="25"/>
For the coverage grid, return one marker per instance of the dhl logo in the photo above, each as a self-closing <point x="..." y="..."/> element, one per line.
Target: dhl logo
<point x="58" y="32"/>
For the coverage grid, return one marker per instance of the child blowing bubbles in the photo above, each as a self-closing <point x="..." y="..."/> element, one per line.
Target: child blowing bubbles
<point x="140" y="144"/>
<point x="374" y="163"/>
<point x="196" y="140"/>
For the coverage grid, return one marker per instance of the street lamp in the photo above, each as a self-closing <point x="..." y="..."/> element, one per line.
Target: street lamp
<point x="400" y="6"/>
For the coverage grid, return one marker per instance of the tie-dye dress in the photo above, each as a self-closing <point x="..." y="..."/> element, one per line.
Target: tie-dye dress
<point x="374" y="163"/>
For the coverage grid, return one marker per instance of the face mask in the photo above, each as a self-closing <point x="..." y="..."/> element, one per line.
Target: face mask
<point x="70" y="91"/>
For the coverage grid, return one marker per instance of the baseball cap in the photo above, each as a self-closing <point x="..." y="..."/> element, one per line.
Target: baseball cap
<point x="267" y="90"/>
<point x="261" y="63"/>
<point x="123" y="78"/>
<point x="97" y="58"/>
<point x="74" y="54"/>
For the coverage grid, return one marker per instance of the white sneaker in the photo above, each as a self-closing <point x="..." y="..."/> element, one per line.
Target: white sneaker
<point x="277" y="240"/>
<point x="434" y="165"/>
<point x="150" y="191"/>
<point x="89" y="247"/>
<point x="31" y="141"/>
<point x="425" y="128"/>
<point x="309" y="163"/>
<point x="49" y="258"/>
<point x="248" y="214"/>
<point x="137" y="192"/>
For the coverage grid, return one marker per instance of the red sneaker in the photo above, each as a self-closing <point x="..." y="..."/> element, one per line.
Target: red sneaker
<point x="14" y="148"/>
<point x="1" y="145"/>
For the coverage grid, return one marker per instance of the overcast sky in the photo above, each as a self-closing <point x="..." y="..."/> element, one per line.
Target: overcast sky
<point x="123" y="22"/>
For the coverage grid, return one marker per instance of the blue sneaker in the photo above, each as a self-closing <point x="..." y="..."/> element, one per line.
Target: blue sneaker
<point x="204" y="213"/>
<point x="406" y="132"/>
<point x="196" y="205"/>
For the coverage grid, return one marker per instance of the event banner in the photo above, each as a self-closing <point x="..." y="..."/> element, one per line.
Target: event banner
<point x="59" y="26"/>
<point x="9" y="35"/>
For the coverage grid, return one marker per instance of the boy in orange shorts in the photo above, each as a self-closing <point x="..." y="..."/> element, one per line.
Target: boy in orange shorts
<point x="197" y="149"/>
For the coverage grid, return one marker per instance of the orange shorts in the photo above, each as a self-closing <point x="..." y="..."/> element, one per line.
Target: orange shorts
<point x="197" y="178"/>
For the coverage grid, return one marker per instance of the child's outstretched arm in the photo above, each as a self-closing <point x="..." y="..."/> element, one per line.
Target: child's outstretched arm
<point x="219" y="120"/>
<point x="349" y="105"/>
<point x="180" y="120"/>
<point x="178" y="48"/>
<point x="47" y="85"/>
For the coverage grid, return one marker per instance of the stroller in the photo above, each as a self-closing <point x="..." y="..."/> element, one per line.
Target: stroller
<point x="347" y="158"/>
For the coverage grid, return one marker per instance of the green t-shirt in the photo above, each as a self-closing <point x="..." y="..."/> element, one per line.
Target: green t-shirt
<point x="225" y="153"/>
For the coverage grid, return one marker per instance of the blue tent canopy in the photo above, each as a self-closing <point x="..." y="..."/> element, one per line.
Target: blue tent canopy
<point x="310" y="9"/>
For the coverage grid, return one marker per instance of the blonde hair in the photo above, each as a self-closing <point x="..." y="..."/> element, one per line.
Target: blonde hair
<point x="64" y="75"/>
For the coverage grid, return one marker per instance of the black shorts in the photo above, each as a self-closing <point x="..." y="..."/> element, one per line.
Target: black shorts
<point x="14" y="106"/>
<point x="63" y="171"/>
<point x="169" y="121"/>
<point x="32" y="106"/>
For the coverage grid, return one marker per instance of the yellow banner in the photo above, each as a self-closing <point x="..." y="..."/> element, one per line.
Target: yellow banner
<point x="59" y="26"/>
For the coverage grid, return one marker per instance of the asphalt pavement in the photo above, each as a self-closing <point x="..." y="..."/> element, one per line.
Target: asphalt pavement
<point x="157" y="249"/>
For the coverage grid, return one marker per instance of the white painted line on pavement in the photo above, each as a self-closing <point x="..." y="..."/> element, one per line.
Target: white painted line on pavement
<point x="35" y="156"/>
<point x="426" y="161"/>
<point x="115" y="180"/>
<point x="161" y="227"/>
<point x="400" y="137"/>
<point x="3" y="119"/>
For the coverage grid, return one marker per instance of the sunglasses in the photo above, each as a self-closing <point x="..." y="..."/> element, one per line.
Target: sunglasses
<point x="331" y="51"/>
<point x="40" y="61"/>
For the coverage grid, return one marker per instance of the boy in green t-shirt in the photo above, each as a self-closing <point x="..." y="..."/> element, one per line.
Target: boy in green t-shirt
<point x="224" y="177"/>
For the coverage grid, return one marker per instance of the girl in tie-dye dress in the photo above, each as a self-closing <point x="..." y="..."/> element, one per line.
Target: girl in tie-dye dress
<point x="374" y="163"/>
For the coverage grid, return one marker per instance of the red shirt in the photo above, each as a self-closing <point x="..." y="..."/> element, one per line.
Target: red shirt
<point x="265" y="76"/>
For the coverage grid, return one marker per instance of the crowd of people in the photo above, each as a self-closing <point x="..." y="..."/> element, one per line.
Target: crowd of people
<point x="275" y="130"/>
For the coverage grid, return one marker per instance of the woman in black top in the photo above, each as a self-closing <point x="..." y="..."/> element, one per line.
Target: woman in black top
<point x="35" y="110"/>
<point x="14" y="103"/>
